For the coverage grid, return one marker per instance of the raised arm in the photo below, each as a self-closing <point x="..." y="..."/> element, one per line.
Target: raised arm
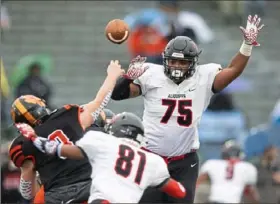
<point x="103" y="96"/>
<point x="240" y="60"/>
<point x="125" y="88"/>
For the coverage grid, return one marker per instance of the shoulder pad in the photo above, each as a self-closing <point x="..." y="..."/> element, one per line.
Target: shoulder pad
<point x="209" y="67"/>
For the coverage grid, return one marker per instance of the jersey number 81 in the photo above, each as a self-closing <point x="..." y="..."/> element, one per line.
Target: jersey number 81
<point x="124" y="166"/>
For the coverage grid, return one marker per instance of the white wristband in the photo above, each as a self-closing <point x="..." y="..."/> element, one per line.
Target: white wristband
<point x="246" y="49"/>
<point x="58" y="151"/>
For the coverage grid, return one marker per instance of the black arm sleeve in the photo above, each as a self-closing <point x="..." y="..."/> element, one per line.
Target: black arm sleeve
<point x="122" y="89"/>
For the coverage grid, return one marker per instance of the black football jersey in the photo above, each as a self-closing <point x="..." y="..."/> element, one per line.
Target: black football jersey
<point x="64" y="126"/>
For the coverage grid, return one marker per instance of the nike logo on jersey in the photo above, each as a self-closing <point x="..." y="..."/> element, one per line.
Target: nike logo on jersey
<point x="192" y="165"/>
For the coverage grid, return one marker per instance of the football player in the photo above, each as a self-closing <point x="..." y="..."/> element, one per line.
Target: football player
<point x="121" y="171"/>
<point x="62" y="179"/>
<point x="230" y="177"/>
<point x="175" y="96"/>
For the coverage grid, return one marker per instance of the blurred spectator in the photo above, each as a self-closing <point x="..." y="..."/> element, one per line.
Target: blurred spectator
<point x="274" y="130"/>
<point x="4" y="18"/>
<point x="34" y="84"/>
<point x="264" y="135"/>
<point x="186" y="23"/>
<point x="153" y="28"/>
<point x="275" y="114"/>
<point x="149" y="28"/>
<point x="5" y="91"/>
<point x="5" y="23"/>
<point x="220" y="122"/>
<point x="232" y="11"/>
<point x="171" y="9"/>
<point x="195" y="26"/>
<point x="268" y="175"/>
<point x="5" y="115"/>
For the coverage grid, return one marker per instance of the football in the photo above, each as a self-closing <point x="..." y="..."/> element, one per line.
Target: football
<point x="117" y="31"/>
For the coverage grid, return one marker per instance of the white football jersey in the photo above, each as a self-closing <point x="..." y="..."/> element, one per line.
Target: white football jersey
<point x="172" y="112"/>
<point x="228" y="180"/>
<point x="120" y="170"/>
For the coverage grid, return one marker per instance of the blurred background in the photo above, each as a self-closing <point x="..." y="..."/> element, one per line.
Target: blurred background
<point x="57" y="50"/>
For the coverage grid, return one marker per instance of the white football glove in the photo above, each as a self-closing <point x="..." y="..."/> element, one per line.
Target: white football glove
<point x="26" y="130"/>
<point x="49" y="147"/>
<point x="251" y="32"/>
<point x="136" y="68"/>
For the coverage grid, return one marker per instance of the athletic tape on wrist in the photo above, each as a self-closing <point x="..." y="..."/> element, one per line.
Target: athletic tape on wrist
<point x="25" y="189"/>
<point x="104" y="103"/>
<point x="246" y="49"/>
<point x="58" y="150"/>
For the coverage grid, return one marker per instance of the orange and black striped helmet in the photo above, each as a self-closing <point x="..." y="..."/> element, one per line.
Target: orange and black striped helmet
<point x="29" y="109"/>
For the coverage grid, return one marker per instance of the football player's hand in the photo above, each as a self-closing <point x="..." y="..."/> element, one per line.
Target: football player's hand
<point x="115" y="69"/>
<point x="46" y="146"/>
<point x="26" y="130"/>
<point x="250" y="33"/>
<point x="136" y="68"/>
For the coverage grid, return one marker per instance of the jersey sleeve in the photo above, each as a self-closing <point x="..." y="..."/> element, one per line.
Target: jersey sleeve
<point x="252" y="175"/>
<point x="208" y="73"/>
<point x="161" y="175"/>
<point x="212" y="70"/>
<point x="74" y="112"/>
<point x="21" y="150"/>
<point x="90" y="143"/>
<point x="143" y="80"/>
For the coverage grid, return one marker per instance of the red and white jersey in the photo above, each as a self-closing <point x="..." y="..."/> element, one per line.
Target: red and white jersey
<point x="172" y="112"/>
<point x="121" y="171"/>
<point x="229" y="179"/>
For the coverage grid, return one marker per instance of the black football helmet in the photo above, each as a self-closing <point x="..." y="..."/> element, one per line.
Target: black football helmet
<point x="231" y="150"/>
<point x="109" y="115"/>
<point x="180" y="48"/>
<point x="126" y="125"/>
<point x="29" y="109"/>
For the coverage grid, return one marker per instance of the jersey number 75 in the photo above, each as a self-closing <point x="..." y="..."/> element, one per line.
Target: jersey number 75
<point x="185" y="118"/>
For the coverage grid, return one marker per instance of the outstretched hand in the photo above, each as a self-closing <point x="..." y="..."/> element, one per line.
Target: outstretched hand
<point x="114" y="69"/>
<point x="136" y="67"/>
<point x="250" y="33"/>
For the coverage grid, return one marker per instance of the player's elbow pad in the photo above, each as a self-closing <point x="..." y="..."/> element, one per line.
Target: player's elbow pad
<point x="174" y="189"/>
<point x="25" y="189"/>
<point x="122" y="89"/>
